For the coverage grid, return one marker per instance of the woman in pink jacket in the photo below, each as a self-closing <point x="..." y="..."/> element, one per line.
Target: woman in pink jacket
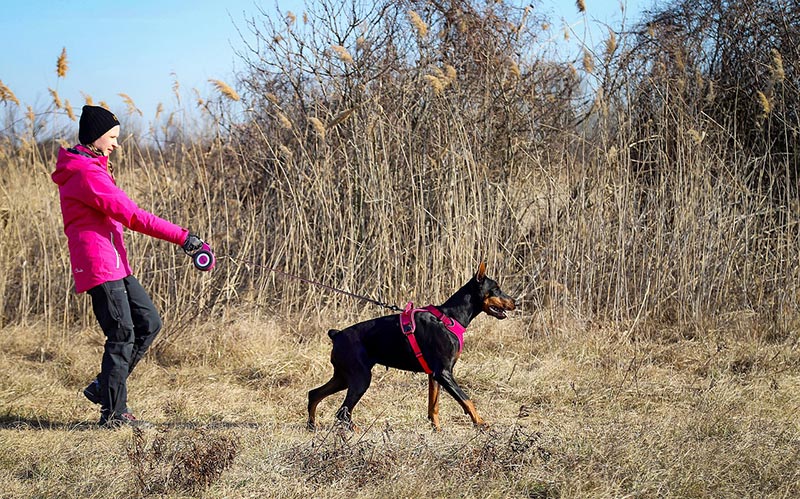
<point x="95" y="211"/>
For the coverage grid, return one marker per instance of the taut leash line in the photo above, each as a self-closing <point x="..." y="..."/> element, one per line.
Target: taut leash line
<point x="309" y="281"/>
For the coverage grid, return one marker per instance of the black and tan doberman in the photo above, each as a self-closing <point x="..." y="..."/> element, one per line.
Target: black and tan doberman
<point x="429" y="342"/>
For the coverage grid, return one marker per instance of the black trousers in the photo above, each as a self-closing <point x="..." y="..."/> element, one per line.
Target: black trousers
<point x="130" y="322"/>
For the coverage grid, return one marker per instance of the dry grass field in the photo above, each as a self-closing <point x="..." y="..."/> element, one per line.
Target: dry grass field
<point x="576" y="410"/>
<point x="640" y="201"/>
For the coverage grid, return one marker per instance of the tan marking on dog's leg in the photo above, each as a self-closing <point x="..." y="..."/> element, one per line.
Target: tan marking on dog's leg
<point x="433" y="402"/>
<point x="469" y="408"/>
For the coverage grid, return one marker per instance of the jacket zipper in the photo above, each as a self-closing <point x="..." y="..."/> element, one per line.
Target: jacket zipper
<point x="115" y="248"/>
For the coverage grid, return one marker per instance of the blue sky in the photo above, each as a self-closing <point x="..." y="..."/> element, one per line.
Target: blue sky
<point x="134" y="47"/>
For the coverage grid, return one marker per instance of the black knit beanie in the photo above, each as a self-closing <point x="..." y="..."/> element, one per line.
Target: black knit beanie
<point x="94" y="123"/>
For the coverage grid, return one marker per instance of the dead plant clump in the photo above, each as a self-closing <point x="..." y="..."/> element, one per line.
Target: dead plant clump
<point x="175" y="461"/>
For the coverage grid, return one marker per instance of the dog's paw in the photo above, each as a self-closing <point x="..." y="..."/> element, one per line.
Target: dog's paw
<point x="483" y="426"/>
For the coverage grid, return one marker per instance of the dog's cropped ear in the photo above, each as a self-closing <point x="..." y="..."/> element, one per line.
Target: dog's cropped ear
<point x="481" y="273"/>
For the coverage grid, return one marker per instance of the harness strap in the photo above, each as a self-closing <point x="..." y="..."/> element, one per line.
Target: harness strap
<point x="451" y="324"/>
<point x="408" y="325"/>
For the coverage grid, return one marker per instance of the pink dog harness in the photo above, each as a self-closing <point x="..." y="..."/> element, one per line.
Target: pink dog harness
<point x="408" y="326"/>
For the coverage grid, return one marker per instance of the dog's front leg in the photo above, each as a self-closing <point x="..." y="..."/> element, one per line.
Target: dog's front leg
<point x="433" y="402"/>
<point x="445" y="378"/>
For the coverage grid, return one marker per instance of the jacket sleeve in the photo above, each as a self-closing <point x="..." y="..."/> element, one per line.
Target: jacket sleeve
<point x="101" y="194"/>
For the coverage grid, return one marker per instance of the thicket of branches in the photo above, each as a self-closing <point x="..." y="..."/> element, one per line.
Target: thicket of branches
<point x="387" y="147"/>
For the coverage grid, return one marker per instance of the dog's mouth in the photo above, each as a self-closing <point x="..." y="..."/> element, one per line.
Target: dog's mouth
<point x="497" y="312"/>
<point x="498" y="306"/>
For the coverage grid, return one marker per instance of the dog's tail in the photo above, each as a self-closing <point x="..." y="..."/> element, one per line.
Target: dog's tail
<point x="333" y="332"/>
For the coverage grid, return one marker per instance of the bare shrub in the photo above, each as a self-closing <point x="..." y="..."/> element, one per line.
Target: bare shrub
<point x="174" y="462"/>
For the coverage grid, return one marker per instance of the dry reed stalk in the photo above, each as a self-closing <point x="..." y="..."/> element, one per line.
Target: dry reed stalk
<point x="225" y="90"/>
<point x="62" y="65"/>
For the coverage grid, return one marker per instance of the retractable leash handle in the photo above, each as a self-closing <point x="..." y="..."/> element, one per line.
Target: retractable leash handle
<point x="203" y="258"/>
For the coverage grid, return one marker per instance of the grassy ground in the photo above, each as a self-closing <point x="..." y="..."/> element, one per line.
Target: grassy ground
<point x="577" y="410"/>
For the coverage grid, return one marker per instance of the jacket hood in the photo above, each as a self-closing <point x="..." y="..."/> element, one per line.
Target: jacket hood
<point x="74" y="159"/>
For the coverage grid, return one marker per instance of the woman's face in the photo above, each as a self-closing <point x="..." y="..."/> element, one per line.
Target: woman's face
<point x="108" y="142"/>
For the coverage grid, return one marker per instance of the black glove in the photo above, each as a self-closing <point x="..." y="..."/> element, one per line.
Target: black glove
<point x="192" y="243"/>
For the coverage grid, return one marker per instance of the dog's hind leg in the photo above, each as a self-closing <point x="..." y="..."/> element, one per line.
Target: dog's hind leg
<point x="433" y="402"/>
<point x="337" y="383"/>
<point x="445" y="378"/>
<point x="358" y="382"/>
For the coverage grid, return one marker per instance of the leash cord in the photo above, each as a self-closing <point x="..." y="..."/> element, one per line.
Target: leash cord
<point x="309" y="281"/>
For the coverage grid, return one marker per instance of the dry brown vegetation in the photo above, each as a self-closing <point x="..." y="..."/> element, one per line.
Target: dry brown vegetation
<point x="643" y="209"/>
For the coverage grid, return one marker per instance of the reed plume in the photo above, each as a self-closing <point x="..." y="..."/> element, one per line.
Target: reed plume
<point x="69" y="110"/>
<point x="418" y="23"/>
<point x="778" y="73"/>
<point x="284" y="121"/>
<point x="87" y="99"/>
<point x="176" y="87"/>
<point x="225" y="89"/>
<point x="436" y="84"/>
<point x="763" y="101"/>
<point x="588" y="62"/>
<point x="6" y="95"/>
<point x="611" y="43"/>
<point x="318" y="127"/>
<point x="131" y="105"/>
<point x="56" y="98"/>
<point x="61" y="65"/>
<point x="581" y="5"/>
<point x="343" y="54"/>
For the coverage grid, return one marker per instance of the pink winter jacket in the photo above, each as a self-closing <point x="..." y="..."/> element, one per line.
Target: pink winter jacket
<point x="94" y="211"/>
